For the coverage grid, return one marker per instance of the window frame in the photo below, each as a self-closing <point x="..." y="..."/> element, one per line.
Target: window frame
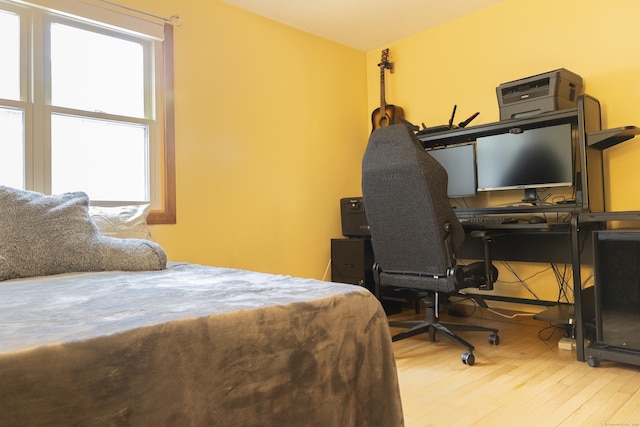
<point x="35" y="95"/>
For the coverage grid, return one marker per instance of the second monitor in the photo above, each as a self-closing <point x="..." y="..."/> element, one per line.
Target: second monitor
<point x="460" y="163"/>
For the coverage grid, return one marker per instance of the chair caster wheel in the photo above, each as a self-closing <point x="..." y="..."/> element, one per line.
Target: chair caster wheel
<point x="468" y="358"/>
<point x="594" y="362"/>
<point x="494" y="339"/>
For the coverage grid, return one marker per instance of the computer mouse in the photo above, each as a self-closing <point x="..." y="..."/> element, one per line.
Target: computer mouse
<point x="537" y="220"/>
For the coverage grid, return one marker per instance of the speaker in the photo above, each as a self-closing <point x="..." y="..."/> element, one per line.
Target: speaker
<point x="354" y="219"/>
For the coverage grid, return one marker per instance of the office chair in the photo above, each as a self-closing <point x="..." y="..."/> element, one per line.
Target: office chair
<point x="415" y="232"/>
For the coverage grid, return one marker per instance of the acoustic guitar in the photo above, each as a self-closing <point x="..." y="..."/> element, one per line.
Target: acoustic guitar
<point x="387" y="114"/>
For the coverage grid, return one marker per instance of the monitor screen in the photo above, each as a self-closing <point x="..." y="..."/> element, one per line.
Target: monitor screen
<point x="535" y="158"/>
<point x="460" y="164"/>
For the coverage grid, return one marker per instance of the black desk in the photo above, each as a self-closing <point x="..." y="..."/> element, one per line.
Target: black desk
<point x="546" y="242"/>
<point x="570" y="242"/>
<point x="567" y="242"/>
<point x="549" y="242"/>
<point x="552" y="242"/>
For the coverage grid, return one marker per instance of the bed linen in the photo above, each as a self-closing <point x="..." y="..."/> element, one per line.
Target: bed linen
<point x="194" y="345"/>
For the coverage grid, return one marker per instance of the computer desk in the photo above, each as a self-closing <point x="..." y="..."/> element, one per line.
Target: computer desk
<point x="567" y="242"/>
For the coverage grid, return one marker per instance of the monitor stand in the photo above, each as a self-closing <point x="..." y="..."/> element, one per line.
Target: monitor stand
<point x="530" y="195"/>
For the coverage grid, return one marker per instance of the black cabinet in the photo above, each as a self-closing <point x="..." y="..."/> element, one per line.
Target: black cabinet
<point x="617" y="297"/>
<point x="352" y="262"/>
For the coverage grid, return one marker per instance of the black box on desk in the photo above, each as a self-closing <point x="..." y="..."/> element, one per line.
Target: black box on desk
<point x="354" y="219"/>
<point x="542" y="93"/>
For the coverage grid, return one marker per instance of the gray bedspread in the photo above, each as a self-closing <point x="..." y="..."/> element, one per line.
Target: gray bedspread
<point x="194" y="346"/>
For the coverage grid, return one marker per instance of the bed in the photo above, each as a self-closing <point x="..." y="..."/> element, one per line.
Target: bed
<point x="191" y="345"/>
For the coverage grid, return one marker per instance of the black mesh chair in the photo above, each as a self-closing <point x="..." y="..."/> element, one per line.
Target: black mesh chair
<point x="415" y="232"/>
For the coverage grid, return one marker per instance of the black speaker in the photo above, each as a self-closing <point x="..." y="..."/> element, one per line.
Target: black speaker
<point x="354" y="219"/>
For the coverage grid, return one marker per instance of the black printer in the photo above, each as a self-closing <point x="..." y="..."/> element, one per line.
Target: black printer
<point x="542" y="93"/>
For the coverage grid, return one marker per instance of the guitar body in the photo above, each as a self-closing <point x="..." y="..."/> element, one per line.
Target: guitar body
<point x="391" y="116"/>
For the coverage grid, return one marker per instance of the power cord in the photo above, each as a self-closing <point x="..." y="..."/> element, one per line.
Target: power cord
<point x="522" y="282"/>
<point x="551" y="331"/>
<point x="512" y="316"/>
<point x="326" y="271"/>
<point x="489" y="309"/>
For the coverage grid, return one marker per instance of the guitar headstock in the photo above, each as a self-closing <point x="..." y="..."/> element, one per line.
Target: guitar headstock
<point x="384" y="60"/>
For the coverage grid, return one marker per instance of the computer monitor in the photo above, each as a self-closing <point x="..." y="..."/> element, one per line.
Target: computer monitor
<point x="460" y="163"/>
<point x="529" y="159"/>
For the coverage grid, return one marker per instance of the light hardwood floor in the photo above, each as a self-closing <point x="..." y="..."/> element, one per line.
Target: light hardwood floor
<point x="523" y="381"/>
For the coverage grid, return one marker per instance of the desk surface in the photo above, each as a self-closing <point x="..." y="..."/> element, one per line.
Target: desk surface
<point x="518" y="228"/>
<point x="548" y="242"/>
<point x="560" y="208"/>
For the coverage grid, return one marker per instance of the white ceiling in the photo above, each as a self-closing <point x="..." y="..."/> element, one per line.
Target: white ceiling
<point x="363" y="24"/>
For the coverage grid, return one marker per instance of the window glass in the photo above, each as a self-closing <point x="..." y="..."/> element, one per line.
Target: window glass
<point x="84" y="105"/>
<point x="10" y="54"/>
<point x="96" y="72"/>
<point x="12" y="148"/>
<point x="102" y="158"/>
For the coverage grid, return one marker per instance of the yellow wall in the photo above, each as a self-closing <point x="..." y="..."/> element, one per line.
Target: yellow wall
<point x="271" y="122"/>
<point x="462" y="62"/>
<point x="270" y="129"/>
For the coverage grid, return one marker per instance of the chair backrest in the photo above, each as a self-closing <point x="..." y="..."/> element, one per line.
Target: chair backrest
<point x="406" y="204"/>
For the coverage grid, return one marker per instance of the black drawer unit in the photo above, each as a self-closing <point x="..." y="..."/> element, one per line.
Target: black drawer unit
<point x="352" y="262"/>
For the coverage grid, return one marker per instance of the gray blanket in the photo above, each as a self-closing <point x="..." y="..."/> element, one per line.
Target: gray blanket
<point x="194" y="346"/>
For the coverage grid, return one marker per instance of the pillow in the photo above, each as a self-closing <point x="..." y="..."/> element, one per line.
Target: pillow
<point x="43" y="235"/>
<point x="123" y="222"/>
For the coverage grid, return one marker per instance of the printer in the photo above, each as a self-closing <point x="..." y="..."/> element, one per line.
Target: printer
<point x="542" y="93"/>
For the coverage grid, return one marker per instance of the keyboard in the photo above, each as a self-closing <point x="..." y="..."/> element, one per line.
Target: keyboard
<point x="487" y="219"/>
<point x="507" y="222"/>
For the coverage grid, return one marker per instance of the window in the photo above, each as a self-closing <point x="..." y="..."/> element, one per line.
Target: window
<point x="86" y="106"/>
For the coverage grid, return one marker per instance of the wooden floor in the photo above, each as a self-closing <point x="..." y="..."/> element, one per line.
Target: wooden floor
<point x="523" y="381"/>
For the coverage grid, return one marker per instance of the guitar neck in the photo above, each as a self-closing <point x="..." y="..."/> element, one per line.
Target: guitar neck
<point x="383" y="101"/>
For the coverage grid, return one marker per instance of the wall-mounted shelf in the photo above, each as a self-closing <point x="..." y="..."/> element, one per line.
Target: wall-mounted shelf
<point x="606" y="138"/>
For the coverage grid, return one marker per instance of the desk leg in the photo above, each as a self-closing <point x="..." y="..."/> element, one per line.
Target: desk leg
<point x="577" y="288"/>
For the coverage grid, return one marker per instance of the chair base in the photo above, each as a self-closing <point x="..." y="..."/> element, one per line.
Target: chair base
<point x="431" y="325"/>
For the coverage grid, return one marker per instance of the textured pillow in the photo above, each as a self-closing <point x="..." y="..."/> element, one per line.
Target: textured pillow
<point x="123" y="222"/>
<point x="43" y="235"/>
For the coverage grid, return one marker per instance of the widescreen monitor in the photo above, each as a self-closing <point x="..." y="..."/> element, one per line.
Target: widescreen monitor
<point x="529" y="159"/>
